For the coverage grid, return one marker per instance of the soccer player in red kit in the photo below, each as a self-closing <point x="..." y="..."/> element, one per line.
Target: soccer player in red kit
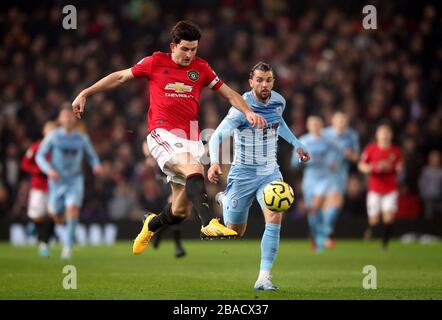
<point x="38" y="194"/>
<point x="176" y="80"/>
<point x="382" y="162"/>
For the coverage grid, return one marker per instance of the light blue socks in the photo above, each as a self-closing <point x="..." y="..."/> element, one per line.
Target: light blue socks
<point x="269" y="245"/>
<point x="330" y="215"/>
<point x="71" y="223"/>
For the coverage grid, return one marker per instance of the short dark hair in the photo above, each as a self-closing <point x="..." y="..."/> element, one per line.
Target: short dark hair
<point x="385" y="123"/>
<point x="262" y="66"/>
<point x="185" y="30"/>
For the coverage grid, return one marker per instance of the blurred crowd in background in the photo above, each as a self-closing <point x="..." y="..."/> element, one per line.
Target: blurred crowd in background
<point x="323" y="60"/>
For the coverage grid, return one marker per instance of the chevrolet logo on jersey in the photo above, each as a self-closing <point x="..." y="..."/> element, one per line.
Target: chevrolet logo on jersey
<point x="178" y="87"/>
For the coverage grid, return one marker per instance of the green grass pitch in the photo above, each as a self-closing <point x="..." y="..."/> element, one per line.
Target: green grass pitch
<point x="225" y="269"/>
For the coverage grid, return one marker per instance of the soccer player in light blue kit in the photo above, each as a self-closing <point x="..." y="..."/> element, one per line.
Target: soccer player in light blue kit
<point x="348" y="139"/>
<point x="67" y="148"/>
<point x="254" y="164"/>
<point x="318" y="181"/>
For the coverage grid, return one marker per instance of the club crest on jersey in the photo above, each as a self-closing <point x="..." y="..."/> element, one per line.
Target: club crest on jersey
<point x="193" y="75"/>
<point x="279" y="110"/>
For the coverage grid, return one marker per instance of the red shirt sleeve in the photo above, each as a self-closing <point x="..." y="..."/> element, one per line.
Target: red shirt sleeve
<point x="211" y="80"/>
<point x="143" y="69"/>
<point x="28" y="163"/>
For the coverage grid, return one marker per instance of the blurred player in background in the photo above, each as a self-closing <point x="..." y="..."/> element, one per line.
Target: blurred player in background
<point x="176" y="228"/>
<point x="67" y="148"/>
<point x="318" y="183"/>
<point x="176" y="80"/>
<point x="254" y="165"/>
<point x="382" y="162"/>
<point x="38" y="194"/>
<point x="348" y="140"/>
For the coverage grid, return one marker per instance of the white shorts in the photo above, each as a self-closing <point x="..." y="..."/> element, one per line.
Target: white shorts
<point x="37" y="203"/>
<point x="164" y="145"/>
<point x="378" y="202"/>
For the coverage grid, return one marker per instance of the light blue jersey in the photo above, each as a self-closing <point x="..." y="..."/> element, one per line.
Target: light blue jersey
<point x="318" y="178"/>
<point x="255" y="159"/>
<point x="66" y="155"/>
<point x="349" y="139"/>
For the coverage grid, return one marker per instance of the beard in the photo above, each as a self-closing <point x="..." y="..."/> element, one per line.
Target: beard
<point x="262" y="95"/>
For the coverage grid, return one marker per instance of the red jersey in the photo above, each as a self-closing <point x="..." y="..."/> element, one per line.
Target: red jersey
<point x="382" y="180"/>
<point x="175" y="92"/>
<point x="28" y="164"/>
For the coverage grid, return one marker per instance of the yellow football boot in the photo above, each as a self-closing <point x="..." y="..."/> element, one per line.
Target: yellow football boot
<point x="215" y="230"/>
<point x="142" y="240"/>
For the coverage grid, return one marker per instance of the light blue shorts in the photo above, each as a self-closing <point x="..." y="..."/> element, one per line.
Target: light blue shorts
<point x="320" y="187"/>
<point x="65" y="192"/>
<point x="243" y="185"/>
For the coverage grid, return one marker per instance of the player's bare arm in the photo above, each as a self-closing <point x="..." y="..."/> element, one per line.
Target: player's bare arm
<point x="238" y="102"/>
<point x="364" y="167"/>
<point x="111" y="81"/>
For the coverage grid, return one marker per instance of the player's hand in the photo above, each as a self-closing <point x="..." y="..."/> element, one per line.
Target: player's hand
<point x="78" y="105"/>
<point x="303" y="156"/>
<point x="53" y="175"/>
<point x="98" y="170"/>
<point x="257" y="121"/>
<point x="214" y="173"/>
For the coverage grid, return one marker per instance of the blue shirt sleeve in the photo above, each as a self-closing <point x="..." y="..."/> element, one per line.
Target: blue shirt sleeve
<point x="295" y="162"/>
<point x="43" y="149"/>
<point x="91" y="155"/>
<point x="287" y="135"/>
<point x="224" y="130"/>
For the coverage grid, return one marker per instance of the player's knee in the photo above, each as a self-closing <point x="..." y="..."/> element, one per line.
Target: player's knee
<point x="273" y="217"/>
<point x="187" y="169"/>
<point x="180" y="212"/>
<point x="317" y="203"/>
<point x="373" y="220"/>
<point x="388" y="218"/>
<point x="58" y="219"/>
<point x="39" y="219"/>
<point x="336" y="200"/>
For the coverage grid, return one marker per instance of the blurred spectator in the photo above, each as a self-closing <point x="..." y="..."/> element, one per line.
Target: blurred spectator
<point x="430" y="185"/>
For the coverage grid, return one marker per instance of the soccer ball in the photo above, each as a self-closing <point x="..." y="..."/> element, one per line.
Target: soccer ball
<point x="278" y="196"/>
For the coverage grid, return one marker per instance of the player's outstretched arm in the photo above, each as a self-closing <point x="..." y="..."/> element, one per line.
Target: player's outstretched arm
<point x="224" y="130"/>
<point x="287" y="135"/>
<point x="111" y="81"/>
<point x="92" y="156"/>
<point x="239" y="103"/>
